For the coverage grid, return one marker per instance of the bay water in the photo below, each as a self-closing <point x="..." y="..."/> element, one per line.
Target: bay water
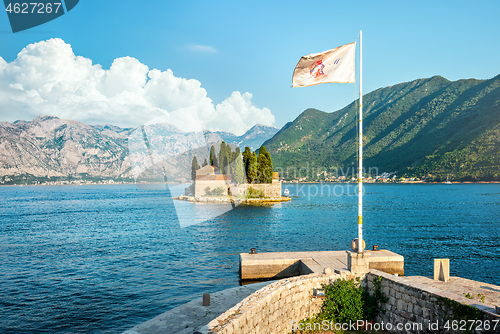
<point x="101" y="259"/>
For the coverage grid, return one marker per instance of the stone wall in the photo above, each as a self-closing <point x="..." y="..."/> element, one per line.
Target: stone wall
<point x="421" y="308"/>
<point x="274" y="308"/>
<point x="201" y="185"/>
<point x="272" y="190"/>
<point x="414" y="307"/>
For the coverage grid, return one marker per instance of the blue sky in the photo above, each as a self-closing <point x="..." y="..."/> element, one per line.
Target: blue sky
<point x="253" y="47"/>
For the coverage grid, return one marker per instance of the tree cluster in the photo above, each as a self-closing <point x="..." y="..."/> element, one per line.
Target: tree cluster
<point x="246" y="167"/>
<point x="258" y="168"/>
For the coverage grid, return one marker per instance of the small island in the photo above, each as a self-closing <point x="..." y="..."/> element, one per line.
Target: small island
<point x="234" y="177"/>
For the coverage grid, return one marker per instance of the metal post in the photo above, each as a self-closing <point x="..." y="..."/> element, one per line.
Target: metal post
<point x="360" y="171"/>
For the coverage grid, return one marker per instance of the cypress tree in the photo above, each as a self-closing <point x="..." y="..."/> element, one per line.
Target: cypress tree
<point x="205" y="163"/>
<point x="216" y="162"/>
<point x="213" y="157"/>
<point x="229" y="155"/>
<point x="194" y="168"/>
<point x="222" y="154"/>
<point x="265" y="166"/>
<point x="246" y="157"/>
<point x="225" y="170"/>
<point x="239" y="170"/>
<point x="253" y="171"/>
<point x="269" y="167"/>
<point x="237" y="154"/>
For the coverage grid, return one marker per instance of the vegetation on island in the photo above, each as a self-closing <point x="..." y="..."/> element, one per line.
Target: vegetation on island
<point x="427" y="128"/>
<point x="241" y="168"/>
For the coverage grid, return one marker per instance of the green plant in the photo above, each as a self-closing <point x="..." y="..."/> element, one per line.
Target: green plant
<point x="219" y="191"/>
<point x="343" y="301"/>
<point x="481" y="297"/>
<point x="452" y="310"/>
<point x="468" y="295"/>
<point x="207" y="191"/>
<point x="255" y="193"/>
<point x="371" y="305"/>
<point x="346" y="300"/>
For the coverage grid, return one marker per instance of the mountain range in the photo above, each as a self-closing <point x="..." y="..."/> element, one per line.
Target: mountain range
<point x="431" y="128"/>
<point x="49" y="149"/>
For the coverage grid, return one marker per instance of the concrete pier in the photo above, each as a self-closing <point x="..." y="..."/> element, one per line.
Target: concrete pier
<point x="287" y="264"/>
<point x="192" y="316"/>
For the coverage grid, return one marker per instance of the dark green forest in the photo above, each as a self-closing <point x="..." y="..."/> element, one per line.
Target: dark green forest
<point x="432" y="128"/>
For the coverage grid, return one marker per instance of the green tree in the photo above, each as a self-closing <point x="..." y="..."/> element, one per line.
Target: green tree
<point x="194" y="168"/>
<point x="269" y="170"/>
<point x="247" y="153"/>
<point x="239" y="170"/>
<point x="265" y="166"/>
<point x="225" y="169"/>
<point x="253" y="170"/>
<point x="213" y="157"/>
<point x="204" y="163"/>
<point x="230" y="159"/>
<point x="222" y="154"/>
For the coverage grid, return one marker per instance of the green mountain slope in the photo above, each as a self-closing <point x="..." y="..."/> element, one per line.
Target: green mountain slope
<point x="427" y="126"/>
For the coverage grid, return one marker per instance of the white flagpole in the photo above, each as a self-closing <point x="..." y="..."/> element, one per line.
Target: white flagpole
<point x="360" y="170"/>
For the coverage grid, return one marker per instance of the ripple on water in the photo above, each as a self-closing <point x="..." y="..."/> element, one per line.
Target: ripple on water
<point x="101" y="259"/>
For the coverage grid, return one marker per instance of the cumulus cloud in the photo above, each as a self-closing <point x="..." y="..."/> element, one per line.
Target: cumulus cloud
<point x="48" y="78"/>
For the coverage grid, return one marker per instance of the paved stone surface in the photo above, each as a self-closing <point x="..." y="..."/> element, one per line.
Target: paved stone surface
<point x="271" y="265"/>
<point x="190" y="317"/>
<point x="462" y="286"/>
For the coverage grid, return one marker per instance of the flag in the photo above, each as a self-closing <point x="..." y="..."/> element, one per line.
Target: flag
<point x="336" y="65"/>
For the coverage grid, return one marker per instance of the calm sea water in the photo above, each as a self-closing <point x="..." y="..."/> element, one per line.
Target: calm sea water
<point x="101" y="259"/>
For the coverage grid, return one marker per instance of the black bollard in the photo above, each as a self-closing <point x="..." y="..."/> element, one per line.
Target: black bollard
<point x="206" y="299"/>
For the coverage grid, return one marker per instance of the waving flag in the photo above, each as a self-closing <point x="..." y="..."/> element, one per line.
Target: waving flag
<point x="336" y="65"/>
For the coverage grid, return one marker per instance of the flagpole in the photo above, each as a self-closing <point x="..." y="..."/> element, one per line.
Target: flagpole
<point x="360" y="170"/>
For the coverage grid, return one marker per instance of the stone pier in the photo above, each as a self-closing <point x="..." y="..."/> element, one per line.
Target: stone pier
<point x="287" y="264"/>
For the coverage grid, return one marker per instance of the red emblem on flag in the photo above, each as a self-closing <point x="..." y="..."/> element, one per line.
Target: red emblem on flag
<point x="317" y="69"/>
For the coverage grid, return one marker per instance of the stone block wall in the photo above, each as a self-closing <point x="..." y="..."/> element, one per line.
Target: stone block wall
<point x="414" y="307"/>
<point x="201" y="185"/>
<point x="418" y="308"/>
<point x="275" y="307"/>
<point x="272" y="190"/>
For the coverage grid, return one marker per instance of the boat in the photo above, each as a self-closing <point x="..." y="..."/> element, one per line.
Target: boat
<point x="286" y="192"/>
<point x="447" y="180"/>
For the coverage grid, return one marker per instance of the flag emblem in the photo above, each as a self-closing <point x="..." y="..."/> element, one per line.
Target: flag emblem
<point x="336" y="65"/>
<point x="317" y="69"/>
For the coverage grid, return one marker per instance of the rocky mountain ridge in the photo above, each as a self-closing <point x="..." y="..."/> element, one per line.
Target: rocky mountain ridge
<point x="49" y="148"/>
<point x="430" y="128"/>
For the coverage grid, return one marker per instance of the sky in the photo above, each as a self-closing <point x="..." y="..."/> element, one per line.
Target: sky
<point x="127" y="62"/>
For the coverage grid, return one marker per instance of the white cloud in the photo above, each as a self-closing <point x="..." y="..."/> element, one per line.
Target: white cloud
<point x="48" y="78"/>
<point x="202" y="48"/>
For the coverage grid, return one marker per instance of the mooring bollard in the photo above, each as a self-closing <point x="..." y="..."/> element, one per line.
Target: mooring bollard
<point x="442" y="270"/>
<point x="253" y="250"/>
<point x="206" y="299"/>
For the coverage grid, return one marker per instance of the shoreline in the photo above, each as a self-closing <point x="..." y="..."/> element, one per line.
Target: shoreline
<point x="283" y="183"/>
<point x="215" y="199"/>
